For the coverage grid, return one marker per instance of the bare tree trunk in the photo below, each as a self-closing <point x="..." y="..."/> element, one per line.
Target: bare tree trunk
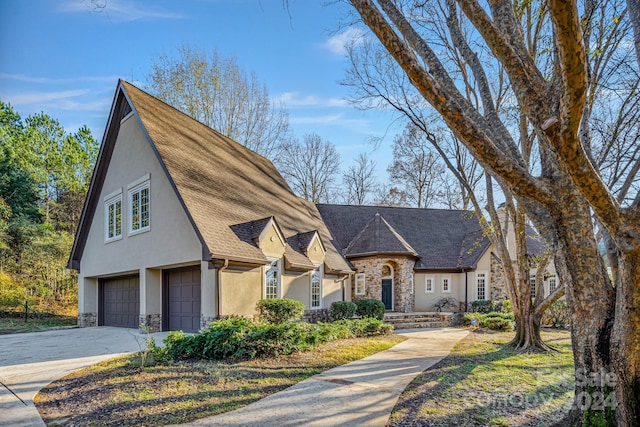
<point x="590" y="300"/>
<point x="625" y="340"/>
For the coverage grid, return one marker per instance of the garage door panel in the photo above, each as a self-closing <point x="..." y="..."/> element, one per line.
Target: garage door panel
<point x="120" y="301"/>
<point x="182" y="292"/>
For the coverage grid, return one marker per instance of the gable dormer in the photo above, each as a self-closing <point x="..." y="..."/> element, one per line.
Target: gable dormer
<point x="269" y="238"/>
<point x="312" y="247"/>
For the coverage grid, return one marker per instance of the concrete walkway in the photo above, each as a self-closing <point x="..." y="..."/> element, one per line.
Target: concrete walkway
<point x="361" y="393"/>
<point x="30" y="361"/>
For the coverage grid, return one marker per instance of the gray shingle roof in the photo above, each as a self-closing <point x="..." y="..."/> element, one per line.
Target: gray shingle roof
<point x="226" y="189"/>
<point x="443" y="239"/>
<point x="378" y="237"/>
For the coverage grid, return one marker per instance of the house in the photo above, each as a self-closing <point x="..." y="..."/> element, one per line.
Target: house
<point x="182" y="225"/>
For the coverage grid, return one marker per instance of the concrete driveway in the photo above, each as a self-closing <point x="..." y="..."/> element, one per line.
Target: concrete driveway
<point x="30" y="361"/>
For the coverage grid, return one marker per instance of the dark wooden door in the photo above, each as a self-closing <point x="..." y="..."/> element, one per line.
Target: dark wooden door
<point x="387" y="293"/>
<point x="182" y="299"/>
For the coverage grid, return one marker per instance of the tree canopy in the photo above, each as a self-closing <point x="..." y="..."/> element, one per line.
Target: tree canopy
<point x="536" y="70"/>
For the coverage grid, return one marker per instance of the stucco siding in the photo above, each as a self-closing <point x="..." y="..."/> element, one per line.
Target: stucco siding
<point x="270" y="243"/>
<point x="424" y="301"/>
<point x="331" y="290"/>
<point x="315" y="252"/>
<point x="171" y="238"/>
<point x="297" y="286"/>
<point x="240" y="291"/>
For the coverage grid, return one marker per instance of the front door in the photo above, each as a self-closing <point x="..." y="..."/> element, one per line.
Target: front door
<point x="387" y="293"/>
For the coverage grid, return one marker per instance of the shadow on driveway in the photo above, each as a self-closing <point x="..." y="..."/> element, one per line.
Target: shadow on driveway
<point x="30" y="361"/>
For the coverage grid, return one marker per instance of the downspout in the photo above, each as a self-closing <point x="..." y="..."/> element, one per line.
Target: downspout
<point x="218" y="283"/>
<point x="344" y="288"/>
<point x="466" y="289"/>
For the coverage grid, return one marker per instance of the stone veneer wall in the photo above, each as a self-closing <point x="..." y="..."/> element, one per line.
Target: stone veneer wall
<point x="317" y="315"/>
<point x="87" y="319"/>
<point x="403" y="299"/>
<point x="205" y="321"/>
<point x="496" y="281"/>
<point x="152" y="321"/>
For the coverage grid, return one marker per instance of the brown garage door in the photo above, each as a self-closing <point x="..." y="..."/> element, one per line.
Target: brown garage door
<point x="120" y="302"/>
<point x="182" y="299"/>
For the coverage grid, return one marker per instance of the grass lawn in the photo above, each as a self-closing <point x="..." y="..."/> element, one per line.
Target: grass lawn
<point x="483" y="382"/>
<point x="10" y="324"/>
<point x="118" y="392"/>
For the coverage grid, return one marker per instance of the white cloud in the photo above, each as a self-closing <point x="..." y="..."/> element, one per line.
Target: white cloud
<point x="39" y="97"/>
<point x="338" y="43"/>
<point x="49" y="80"/>
<point x="330" y="119"/>
<point x="296" y="99"/>
<point x="119" y="11"/>
<point x="69" y="100"/>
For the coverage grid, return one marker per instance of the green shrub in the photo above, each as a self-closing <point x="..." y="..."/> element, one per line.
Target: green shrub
<point x="557" y="315"/>
<point x="472" y="319"/>
<point x="368" y="307"/>
<point x="482" y="306"/>
<point x="342" y="310"/>
<point x="497" y="323"/>
<point x="494" y="320"/>
<point x="272" y="340"/>
<point x="505" y="306"/>
<point x="239" y="338"/>
<point x="279" y="310"/>
<point x="369" y="327"/>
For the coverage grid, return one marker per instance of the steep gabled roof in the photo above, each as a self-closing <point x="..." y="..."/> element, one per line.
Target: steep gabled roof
<point x="442" y="239"/>
<point x="219" y="182"/>
<point x="378" y="236"/>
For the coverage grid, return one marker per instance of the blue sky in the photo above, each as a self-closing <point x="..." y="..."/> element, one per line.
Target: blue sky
<point x="64" y="58"/>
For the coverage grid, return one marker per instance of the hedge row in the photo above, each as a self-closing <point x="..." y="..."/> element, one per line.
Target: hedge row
<point x="238" y="337"/>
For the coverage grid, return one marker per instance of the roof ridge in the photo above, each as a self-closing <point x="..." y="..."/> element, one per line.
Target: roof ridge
<point x="399" y="236"/>
<point x="156" y="99"/>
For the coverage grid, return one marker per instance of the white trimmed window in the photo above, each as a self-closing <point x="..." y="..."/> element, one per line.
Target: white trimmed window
<point x="272" y="279"/>
<point x="316" y="288"/>
<point x="139" y="208"/>
<point x="360" y="284"/>
<point x="113" y="218"/>
<point x="552" y="284"/>
<point x="532" y="283"/>
<point x="446" y="284"/>
<point x="412" y="284"/>
<point x="481" y="286"/>
<point x="429" y="284"/>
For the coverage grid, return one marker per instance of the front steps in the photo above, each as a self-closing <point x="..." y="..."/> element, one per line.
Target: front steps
<point x="418" y="320"/>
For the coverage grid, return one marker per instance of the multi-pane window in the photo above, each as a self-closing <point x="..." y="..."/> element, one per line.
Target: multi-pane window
<point x="316" y="289"/>
<point x="446" y="284"/>
<point x="360" y="284"/>
<point x="139" y="208"/>
<point x="481" y="281"/>
<point x="271" y="280"/>
<point x="552" y="284"/>
<point x="428" y="284"/>
<point x="113" y="217"/>
<point x="532" y="283"/>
